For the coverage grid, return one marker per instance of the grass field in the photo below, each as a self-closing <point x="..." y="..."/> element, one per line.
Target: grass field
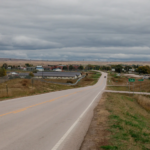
<point x="122" y="84"/>
<point x="23" y="87"/>
<point x="120" y="122"/>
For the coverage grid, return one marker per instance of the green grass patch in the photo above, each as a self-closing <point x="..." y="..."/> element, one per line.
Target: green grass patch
<point x="108" y="147"/>
<point x="129" y="124"/>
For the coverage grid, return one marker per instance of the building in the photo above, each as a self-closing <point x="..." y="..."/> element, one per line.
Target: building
<point x="54" y="75"/>
<point x="30" y="68"/>
<point x="132" y="70"/>
<point x="47" y="68"/>
<point x="9" y="68"/>
<point x="57" y="69"/>
<point x="39" y="68"/>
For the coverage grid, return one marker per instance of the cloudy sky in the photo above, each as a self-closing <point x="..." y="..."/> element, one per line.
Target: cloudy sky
<point x="101" y="30"/>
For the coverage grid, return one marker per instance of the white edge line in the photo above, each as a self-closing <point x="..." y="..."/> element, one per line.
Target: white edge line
<point x="76" y="122"/>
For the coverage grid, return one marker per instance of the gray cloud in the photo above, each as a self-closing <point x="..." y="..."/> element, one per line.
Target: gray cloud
<point x="75" y="29"/>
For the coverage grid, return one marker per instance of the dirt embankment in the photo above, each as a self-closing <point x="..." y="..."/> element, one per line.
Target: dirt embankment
<point x="120" y="122"/>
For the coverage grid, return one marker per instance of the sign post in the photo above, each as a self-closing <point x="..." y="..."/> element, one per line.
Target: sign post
<point x="132" y="80"/>
<point x="140" y="80"/>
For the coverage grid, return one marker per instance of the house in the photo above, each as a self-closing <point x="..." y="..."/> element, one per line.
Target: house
<point x="57" y="69"/>
<point x="13" y="73"/>
<point x="47" y="68"/>
<point x="39" y="68"/>
<point x="132" y="70"/>
<point x="30" y="68"/>
<point x="22" y="68"/>
<point x="147" y="76"/>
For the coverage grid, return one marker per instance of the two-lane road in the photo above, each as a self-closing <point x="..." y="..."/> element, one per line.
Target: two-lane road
<point x="52" y="121"/>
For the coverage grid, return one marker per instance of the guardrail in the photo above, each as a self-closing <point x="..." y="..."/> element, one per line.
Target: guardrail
<point x="63" y="83"/>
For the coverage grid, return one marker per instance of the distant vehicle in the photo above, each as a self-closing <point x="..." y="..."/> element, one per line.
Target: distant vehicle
<point x="104" y="76"/>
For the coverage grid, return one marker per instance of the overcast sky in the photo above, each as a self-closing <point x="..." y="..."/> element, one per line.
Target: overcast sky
<point x="102" y="30"/>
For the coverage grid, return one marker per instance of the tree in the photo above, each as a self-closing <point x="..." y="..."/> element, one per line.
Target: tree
<point x="5" y="66"/>
<point x="97" y="67"/>
<point x="135" y="66"/>
<point x="105" y="68"/>
<point x="118" y="68"/>
<point x="2" y="72"/>
<point x="28" y="65"/>
<point x="127" y="68"/>
<point x="144" y="69"/>
<point x="70" y="67"/>
<point x="80" y="67"/>
<point x="31" y="74"/>
<point x="65" y="68"/>
<point x="35" y="71"/>
<point x="89" y="67"/>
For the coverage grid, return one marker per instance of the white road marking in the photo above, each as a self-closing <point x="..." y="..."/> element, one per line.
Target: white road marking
<point x="76" y="122"/>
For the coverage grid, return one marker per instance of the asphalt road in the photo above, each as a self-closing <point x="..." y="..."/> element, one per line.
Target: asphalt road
<point x="52" y="121"/>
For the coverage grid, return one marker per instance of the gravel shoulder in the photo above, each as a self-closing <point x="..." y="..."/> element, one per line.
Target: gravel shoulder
<point x="97" y="134"/>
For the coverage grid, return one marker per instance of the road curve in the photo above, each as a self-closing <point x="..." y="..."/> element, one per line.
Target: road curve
<point x="52" y="121"/>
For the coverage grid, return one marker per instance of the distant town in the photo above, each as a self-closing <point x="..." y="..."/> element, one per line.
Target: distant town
<point x="34" y="71"/>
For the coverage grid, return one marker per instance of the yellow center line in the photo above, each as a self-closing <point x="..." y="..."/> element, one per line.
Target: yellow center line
<point x="23" y="109"/>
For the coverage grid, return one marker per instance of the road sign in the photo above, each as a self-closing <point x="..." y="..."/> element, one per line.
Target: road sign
<point x="141" y="80"/>
<point x="131" y="80"/>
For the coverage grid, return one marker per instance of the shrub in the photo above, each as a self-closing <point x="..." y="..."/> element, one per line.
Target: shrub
<point x="24" y="82"/>
<point x="69" y="81"/>
<point x="2" y="72"/>
<point x="34" y="71"/>
<point x="31" y="74"/>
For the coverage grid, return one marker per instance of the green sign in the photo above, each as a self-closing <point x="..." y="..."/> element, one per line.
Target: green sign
<point x="131" y="80"/>
<point x="141" y="80"/>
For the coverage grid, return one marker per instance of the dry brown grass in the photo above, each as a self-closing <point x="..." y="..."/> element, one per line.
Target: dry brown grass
<point x="24" y="87"/>
<point x="143" y="101"/>
<point x="24" y="82"/>
<point x="88" y="79"/>
<point x="137" y="86"/>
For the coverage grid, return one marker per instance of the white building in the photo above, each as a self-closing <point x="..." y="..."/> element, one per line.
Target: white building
<point x="39" y="68"/>
<point x="57" y="69"/>
<point x="132" y="70"/>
